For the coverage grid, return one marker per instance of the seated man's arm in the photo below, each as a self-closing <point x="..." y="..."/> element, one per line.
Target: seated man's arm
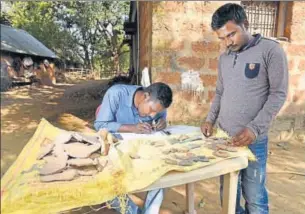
<point x="106" y="116"/>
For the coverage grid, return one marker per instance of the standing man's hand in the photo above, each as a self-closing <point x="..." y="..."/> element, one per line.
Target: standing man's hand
<point x="143" y="128"/>
<point x="244" y="138"/>
<point x="161" y="124"/>
<point x="207" y="129"/>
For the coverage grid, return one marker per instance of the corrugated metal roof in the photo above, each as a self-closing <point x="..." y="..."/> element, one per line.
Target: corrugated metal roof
<point x="19" y="41"/>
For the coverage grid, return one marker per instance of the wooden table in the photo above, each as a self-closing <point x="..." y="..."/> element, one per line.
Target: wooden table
<point x="229" y="168"/>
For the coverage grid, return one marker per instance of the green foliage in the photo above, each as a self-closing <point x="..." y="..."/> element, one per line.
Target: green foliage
<point x="87" y="32"/>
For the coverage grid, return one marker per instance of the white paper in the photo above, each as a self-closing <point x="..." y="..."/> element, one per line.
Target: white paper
<point x="179" y="129"/>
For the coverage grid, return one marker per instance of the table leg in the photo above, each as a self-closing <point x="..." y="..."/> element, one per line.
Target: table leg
<point x="229" y="192"/>
<point x="190" y="199"/>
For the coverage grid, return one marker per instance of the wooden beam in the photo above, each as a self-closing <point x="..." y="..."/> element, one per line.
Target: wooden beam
<point x="145" y="25"/>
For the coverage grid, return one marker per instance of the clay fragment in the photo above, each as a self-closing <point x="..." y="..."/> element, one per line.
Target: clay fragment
<point x="180" y="149"/>
<point x="171" y="161"/>
<point x="80" y="150"/>
<point x="82" y="162"/>
<point x="90" y="139"/>
<point x="45" y="150"/>
<point x="185" y="163"/>
<point x="166" y="151"/>
<point x="63" y="137"/>
<point x="67" y="175"/>
<point x="54" y="165"/>
<point x="95" y="155"/>
<point x="231" y="149"/>
<point x="201" y="158"/>
<point x="86" y="171"/>
<point x="221" y="146"/>
<point x="221" y="154"/>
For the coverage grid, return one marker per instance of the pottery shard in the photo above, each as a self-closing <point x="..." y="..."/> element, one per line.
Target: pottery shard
<point x="226" y="147"/>
<point x="171" y="161"/>
<point x="221" y="146"/>
<point x="58" y="151"/>
<point x="95" y="155"/>
<point x="67" y="175"/>
<point x="201" y="158"/>
<point x="92" y="139"/>
<point x="77" y="136"/>
<point x="53" y="165"/>
<point x="80" y="150"/>
<point x="44" y="150"/>
<point x="185" y="163"/>
<point x="231" y="149"/>
<point x="63" y="137"/>
<point x="86" y="171"/>
<point x="82" y="162"/>
<point x="221" y="154"/>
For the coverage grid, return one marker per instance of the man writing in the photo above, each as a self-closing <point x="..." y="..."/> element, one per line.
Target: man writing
<point x="130" y="108"/>
<point x="251" y="88"/>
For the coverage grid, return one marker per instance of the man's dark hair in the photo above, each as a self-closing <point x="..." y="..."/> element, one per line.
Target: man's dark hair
<point x="161" y="92"/>
<point x="228" y="12"/>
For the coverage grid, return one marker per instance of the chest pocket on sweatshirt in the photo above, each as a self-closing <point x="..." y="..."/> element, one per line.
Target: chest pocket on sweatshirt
<point x="252" y="70"/>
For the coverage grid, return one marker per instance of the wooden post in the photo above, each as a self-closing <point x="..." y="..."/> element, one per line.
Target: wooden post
<point x="229" y="192"/>
<point x="145" y="28"/>
<point x="190" y="199"/>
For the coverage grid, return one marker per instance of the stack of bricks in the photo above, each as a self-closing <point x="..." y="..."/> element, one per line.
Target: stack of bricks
<point x="182" y="40"/>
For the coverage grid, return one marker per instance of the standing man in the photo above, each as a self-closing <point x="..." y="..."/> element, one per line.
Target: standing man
<point x="251" y="88"/>
<point x="131" y="108"/>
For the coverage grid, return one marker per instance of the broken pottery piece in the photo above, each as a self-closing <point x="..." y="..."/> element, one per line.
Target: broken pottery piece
<point x="171" y="161"/>
<point x="58" y="151"/>
<point x="67" y="175"/>
<point x="231" y="149"/>
<point x="63" y="137"/>
<point x="45" y="150"/>
<point x="167" y="151"/>
<point x="54" y="165"/>
<point x="77" y="136"/>
<point x="201" y="158"/>
<point x="80" y="150"/>
<point x="95" y="155"/>
<point x="221" y="154"/>
<point x="86" y="170"/>
<point x="92" y="139"/>
<point x="185" y="163"/>
<point x="82" y="162"/>
<point x="221" y="146"/>
<point x="180" y="149"/>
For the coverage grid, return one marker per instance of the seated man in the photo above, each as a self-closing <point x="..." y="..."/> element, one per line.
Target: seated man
<point x="130" y="108"/>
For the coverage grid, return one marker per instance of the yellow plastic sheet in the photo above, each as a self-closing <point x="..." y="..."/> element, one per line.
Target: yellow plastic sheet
<point x="22" y="191"/>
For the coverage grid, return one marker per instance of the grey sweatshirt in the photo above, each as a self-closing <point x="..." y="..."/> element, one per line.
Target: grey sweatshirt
<point x="251" y="87"/>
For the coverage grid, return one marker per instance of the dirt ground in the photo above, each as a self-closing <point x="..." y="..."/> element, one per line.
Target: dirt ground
<point x="73" y="106"/>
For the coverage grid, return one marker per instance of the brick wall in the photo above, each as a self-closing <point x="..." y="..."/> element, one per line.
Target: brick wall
<point x="183" y="41"/>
